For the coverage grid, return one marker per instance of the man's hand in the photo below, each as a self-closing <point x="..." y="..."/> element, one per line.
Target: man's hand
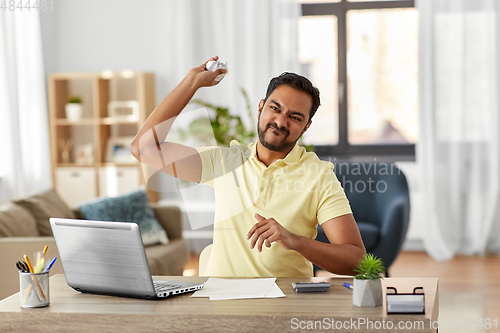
<point x="203" y="77"/>
<point x="268" y="231"/>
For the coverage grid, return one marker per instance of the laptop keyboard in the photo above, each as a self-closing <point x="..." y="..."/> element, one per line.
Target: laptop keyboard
<point x="165" y="287"/>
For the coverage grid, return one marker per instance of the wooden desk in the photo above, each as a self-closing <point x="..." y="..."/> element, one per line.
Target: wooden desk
<point x="73" y="311"/>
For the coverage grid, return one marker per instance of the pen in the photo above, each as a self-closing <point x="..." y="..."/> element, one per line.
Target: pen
<point x="45" y="249"/>
<point x="50" y="264"/>
<point x="347" y="285"/>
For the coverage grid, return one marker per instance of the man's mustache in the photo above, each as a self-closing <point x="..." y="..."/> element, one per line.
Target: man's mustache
<point x="282" y="129"/>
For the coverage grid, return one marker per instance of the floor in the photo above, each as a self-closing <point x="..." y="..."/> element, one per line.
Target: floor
<point x="460" y="275"/>
<point x="479" y="275"/>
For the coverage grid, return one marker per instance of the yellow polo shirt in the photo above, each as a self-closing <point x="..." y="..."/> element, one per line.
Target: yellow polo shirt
<point x="298" y="191"/>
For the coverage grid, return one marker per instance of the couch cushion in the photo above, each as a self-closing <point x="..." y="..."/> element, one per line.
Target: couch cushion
<point x="44" y="206"/>
<point x="130" y="207"/>
<point x="15" y="221"/>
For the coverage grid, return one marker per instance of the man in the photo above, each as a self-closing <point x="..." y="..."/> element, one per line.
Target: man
<point x="271" y="195"/>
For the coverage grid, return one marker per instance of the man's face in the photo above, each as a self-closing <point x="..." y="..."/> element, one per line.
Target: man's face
<point x="283" y="118"/>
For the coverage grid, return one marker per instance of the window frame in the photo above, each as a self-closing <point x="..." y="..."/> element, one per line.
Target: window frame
<point x="344" y="149"/>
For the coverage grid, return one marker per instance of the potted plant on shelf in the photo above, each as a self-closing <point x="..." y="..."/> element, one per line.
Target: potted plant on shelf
<point x="74" y="109"/>
<point x="367" y="286"/>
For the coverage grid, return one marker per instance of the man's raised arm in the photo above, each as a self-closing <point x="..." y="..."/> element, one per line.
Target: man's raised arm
<point x="149" y="147"/>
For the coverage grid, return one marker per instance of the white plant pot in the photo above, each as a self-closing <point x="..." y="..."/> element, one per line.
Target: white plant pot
<point x="73" y="112"/>
<point x="367" y="292"/>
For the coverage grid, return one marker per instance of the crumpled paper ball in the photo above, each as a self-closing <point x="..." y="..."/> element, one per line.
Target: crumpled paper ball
<point x="215" y="65"/>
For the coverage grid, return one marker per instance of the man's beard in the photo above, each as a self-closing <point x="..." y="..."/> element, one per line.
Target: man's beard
<point x="281" y="147"/>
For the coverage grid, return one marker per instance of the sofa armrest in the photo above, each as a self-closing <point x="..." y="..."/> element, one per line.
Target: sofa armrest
<point x="170" y="218"/>
<point x="13" y="249"/>
<point x="168" y="259"/>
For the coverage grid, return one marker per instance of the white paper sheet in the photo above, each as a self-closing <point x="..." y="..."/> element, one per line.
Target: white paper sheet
<point x="221" y="289"/>
<point x="274" y="292"/>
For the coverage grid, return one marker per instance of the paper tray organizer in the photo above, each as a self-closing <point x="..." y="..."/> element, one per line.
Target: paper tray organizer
<point x="406" y="303"/>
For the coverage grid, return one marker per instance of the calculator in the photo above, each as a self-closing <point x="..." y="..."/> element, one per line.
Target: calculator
<point x="309" y="287"/>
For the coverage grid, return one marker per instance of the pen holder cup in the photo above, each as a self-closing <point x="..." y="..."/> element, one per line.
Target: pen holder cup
<point x="34" y="289"/>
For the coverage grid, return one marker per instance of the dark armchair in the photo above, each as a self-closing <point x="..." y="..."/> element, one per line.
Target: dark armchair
<point x="380" y="202"/>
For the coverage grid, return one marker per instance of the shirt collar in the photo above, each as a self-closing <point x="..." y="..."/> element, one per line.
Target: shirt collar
<point x="290" y="159"/>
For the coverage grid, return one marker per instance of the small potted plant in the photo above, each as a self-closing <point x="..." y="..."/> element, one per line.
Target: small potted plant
<point x="367" y="286"/>
<point x="74" y="109"/>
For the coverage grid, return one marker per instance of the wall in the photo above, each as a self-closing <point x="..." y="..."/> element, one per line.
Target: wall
<point x="97" y="35"/>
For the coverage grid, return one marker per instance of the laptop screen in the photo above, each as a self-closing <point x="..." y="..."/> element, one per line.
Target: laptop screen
<point x="103" y="257"/>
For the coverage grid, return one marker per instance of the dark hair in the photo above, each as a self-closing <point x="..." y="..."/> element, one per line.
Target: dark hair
<point x="298" y="82"/>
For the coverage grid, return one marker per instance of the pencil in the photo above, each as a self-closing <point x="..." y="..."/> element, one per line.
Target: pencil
<point x="28" y="263"/>
<point x="34" y="278"/>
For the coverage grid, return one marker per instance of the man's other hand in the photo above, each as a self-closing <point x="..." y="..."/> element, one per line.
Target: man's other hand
<point x="268" y="231"/>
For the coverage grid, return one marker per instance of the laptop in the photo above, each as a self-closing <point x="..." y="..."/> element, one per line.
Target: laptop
<point x="108" y="258"/>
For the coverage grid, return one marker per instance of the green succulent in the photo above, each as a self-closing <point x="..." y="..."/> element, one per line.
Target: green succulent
<point x="75" y="99"/>
<point x="369" y="268"/>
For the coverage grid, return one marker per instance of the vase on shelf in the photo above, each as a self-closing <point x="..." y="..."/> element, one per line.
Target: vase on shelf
<point x="73" y="112"/>
<point x="74" y="109"/>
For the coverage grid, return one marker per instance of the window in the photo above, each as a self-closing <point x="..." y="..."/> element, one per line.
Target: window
<point x="362" y="55"/>
<point x="319" y="62"/>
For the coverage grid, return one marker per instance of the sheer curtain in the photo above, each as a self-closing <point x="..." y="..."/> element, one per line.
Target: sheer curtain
<point x="257" y="38"/>
<point x="459" y="146"/>
<point x="24" y="134"/>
